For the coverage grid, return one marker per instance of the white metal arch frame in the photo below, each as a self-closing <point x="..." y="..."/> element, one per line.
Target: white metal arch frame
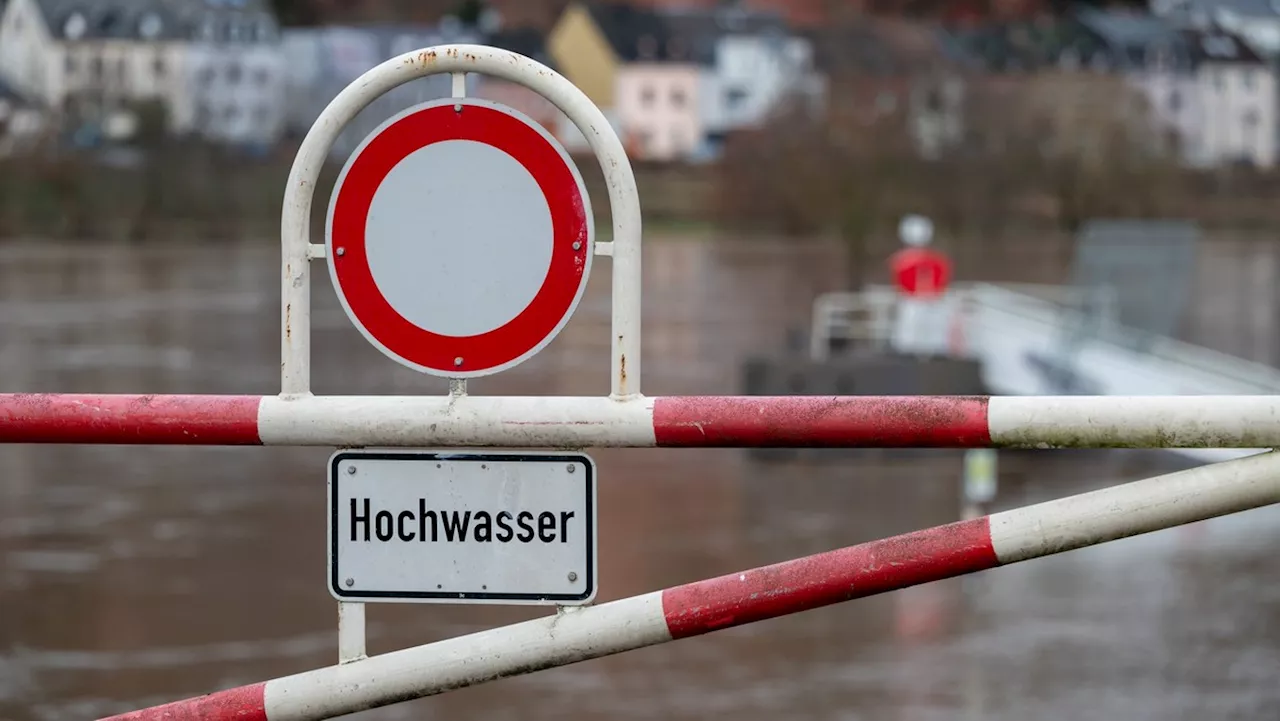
<point x="297" y="251"/>
<point x="458" y="60"/>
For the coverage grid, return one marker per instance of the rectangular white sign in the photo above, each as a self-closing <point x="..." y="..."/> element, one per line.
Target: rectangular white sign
<point x="513" y="527"/>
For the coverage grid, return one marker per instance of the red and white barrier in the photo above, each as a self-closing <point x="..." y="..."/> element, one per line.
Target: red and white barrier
<point x="746" y="597"/>
<point x="694" y="421"/>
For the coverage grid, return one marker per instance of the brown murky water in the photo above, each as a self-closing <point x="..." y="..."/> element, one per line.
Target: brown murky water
<point x="134" y="576"/>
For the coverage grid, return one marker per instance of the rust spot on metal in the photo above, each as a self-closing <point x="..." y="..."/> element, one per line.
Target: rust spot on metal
<point x="622" y="367"/>
<point x="288" y="320"/>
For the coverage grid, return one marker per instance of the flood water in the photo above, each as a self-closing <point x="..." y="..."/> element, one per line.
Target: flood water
<point x="131" y="576"/>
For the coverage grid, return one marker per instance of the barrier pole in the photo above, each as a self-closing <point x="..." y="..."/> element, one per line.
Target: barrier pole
<point x="747" y="597"/>
<point x="1221" y="422"/>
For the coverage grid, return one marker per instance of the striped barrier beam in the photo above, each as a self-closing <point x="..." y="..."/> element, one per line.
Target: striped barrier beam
<point x="694" y="609"/>
<point x="1245" y="422"/>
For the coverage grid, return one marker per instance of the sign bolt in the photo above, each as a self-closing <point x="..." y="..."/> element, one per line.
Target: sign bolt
<point x="577" y="245"/>
<point x="571" y="468"/>
<point x="351" y="470"/>
<point x="351" y="582"/>
<point x="457" y="361"/>
<point x="342" y="251"/>
<point x="572" y="577"/>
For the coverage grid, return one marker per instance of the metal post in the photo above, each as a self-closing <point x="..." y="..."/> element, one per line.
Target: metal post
<point x="351" y="632"/>
<point x="759" y="594"/>
<point x="978" y="487"/>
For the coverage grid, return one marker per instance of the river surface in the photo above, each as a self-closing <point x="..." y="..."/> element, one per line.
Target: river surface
<point x="132" y="576"/>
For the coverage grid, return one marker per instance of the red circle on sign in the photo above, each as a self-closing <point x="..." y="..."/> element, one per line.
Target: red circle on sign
<point x="539" y="321"/>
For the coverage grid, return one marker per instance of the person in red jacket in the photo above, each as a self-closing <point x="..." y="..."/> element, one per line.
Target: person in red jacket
<point x="922" y="276"/>
<point x="918" y="270"/>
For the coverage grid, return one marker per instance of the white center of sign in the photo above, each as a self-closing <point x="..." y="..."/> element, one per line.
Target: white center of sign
<point x="459" y="253"/>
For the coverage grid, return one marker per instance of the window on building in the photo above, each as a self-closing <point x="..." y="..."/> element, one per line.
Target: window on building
<point x="234" y="73"/>
<point x="108" y="20"/>
<point x="1220" y="80"/>
<point x="75" y="26"/>
<point x="680" y="142"/>
<point x="231" y="113"/>
<point x="97" y="67"/>
<point x="1250" y="79"/>
<point x="1175" y="101"/>
<point x="647" y="47"/>
<point x="70" y="66"/>
<point x="261" y="114"/>
<point x="675" y="48"/>
<point x="149" y="26"/>
<point x="678" y="97"/>
<point x="158" y="66"/>
<point x="206" y="76"/>
<point x="644" y="139"/>
<point x="262" y="76"/>
<point x="646" y="96"/>
<point x="933" y="100"/>
<point x="733" y="97"/>
<point x="263" y="31"/>
<point x="1250" y="119"/>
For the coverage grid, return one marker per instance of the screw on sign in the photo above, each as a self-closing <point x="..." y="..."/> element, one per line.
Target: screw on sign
<point x="459" y="238"/>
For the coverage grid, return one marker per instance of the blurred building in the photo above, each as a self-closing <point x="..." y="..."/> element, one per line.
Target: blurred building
<point x="322" y="61"/>
<point x="880" y="69"/>
<point x="812" y="14"/>
<point x="530" y="43"/>
<point x="1256" y="21"/>
<point x="213" y="65"/>
<point x="1208" y="93"/>
<point x="1208" y="87"/>
<point x="1229" y="103"/>
<point x="752" y="64"/>
<point x="674" y="82"/>
<point x="22" y="122"/>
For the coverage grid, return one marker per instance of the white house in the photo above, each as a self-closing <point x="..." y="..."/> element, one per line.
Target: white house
<point x="751" y="64"/>
<point x="1256" y="21"/>
<point x="215" y="65"/>
<point x="1207" y="86"/>
<point x="1232" y="113"/>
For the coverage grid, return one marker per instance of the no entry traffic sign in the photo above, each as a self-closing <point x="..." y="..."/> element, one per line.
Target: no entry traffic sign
<point x="459" y="237"/>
